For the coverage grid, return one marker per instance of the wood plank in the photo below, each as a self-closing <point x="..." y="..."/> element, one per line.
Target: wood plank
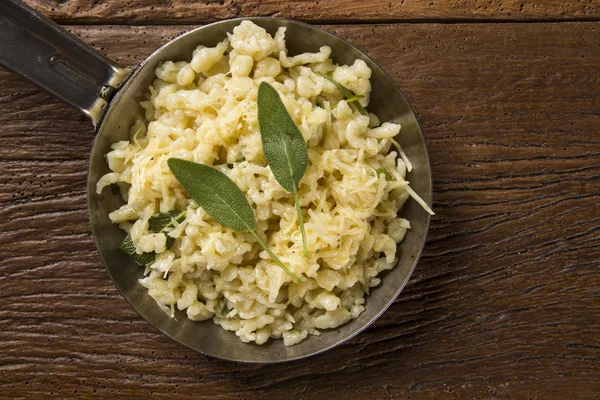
<point x="338" y="11"/>
<point x="504" y="302"/>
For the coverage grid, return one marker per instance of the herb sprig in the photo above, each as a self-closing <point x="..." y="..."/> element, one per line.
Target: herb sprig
<point x="128" y="248"/>
<point x="348" y="94"/>
<point x="350" y="100"/>
<point x="283" y="145"/>
<point x="158" y="223"/>
<point x="225" y="309"/>
<point x="219" y="196"/>
<point x="385" y="172"/>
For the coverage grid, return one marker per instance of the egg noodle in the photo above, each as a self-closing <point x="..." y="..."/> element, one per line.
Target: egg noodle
<point x="206" y="111"/>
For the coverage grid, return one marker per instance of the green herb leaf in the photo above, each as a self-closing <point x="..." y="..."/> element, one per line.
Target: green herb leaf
<point x="225" y="310"/>
<point x="348" y="94"/>
<point x="350" y="100"/>
<point x="157" y="224"/>
<point x="160" y="221"/>
<point x="354" y="98"/>
<point x="221" y="199"/>
<point x="128" y="248"/>
<point x="215" y="193"/>
<point x="283" y="145"/>
<point x="388" y="176"/>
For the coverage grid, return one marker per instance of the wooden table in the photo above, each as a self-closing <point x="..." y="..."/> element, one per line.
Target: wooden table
<point x="505" y="302"/>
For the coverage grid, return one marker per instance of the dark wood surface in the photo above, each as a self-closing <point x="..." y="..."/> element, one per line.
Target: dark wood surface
<point x="338" y="11"/>
<point x="505" y="302"/>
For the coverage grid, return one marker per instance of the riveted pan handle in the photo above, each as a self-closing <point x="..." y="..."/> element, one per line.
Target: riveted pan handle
<point x="39" y="50"/>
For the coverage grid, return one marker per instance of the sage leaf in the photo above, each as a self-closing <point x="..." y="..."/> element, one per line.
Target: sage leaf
<point x="128" y="248"/>
<point x="219" y="196"/>
<point x="215" y="193"/>
<point x="160" y="221"/>
<point x="225" y="310"/>
<point x="283" y="145"/>
<point x="347" y="93"/>
<point x="157" y="224"/>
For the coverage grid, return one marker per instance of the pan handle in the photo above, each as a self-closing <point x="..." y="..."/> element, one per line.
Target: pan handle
<point x="39" y="50"/>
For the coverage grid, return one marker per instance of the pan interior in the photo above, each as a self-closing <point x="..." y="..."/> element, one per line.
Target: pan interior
<point x="387" y="102"/>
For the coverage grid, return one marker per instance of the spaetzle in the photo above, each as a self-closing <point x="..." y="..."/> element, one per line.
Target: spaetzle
<point x="205" y="111"/>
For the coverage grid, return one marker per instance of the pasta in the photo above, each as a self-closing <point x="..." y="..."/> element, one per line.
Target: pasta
<point x="205" y="111"/>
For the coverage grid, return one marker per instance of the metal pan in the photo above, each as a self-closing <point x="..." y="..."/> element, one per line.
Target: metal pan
<point x="109" y="95"/>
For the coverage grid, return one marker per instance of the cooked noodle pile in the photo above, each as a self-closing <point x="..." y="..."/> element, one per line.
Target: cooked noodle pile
<point x="206" y="111"/>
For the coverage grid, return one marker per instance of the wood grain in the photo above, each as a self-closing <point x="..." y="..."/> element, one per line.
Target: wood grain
<point x="504" y="304"/>
<point x="328" y="11"/>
